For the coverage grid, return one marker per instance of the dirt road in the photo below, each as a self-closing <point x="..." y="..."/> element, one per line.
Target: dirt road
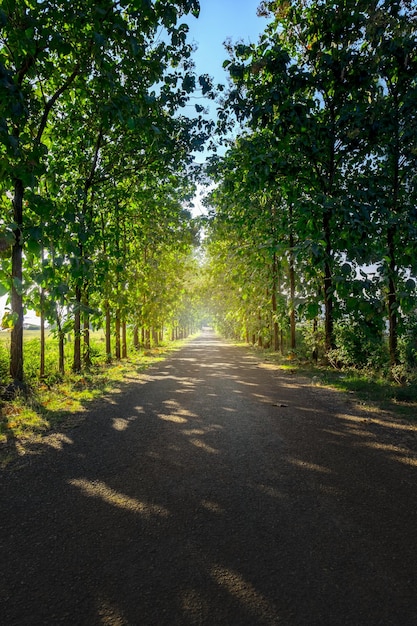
<point x="214" y="491"/>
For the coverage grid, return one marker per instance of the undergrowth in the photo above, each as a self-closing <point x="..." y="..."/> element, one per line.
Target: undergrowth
<point x="371" y="388"/>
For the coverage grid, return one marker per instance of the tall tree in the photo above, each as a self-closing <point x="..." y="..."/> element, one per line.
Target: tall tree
<point x="46" y="52"/>
<point x="307" y="83"/>
<point x="392" y="39"/>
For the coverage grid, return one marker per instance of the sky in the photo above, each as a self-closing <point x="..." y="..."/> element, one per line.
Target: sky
<point x="220" y="20"/>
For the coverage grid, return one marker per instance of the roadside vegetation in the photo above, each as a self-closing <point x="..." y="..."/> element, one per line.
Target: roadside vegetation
<point x="370" y="388"/>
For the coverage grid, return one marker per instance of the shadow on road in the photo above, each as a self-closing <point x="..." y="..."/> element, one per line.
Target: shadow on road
<point x="214" y="491"/>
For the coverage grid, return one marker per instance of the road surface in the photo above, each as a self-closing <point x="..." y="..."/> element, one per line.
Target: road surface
<point x="214" y="490"/>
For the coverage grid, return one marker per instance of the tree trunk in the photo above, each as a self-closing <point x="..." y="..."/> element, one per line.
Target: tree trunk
<point x="315" y="354"/>
<point x="117" y="334"/>
<point x="86" y="331"/>
<point x="76" y="366"/>
<point x="108" y="331"/>
<point x="61" y="342"/>
<point x="42" y="346"/>
<point x="136" y="336"/>
<point x="16" y="343"/>
<point x="147" y="339"/>
<point x="260" y="340"/>
<point x="392" y="300"/>
<point x="61" y="348"/>
<point x="328" y="287"/>
<point x="292" y="297"/>
<point x="392" y="266"/>
<point x="275" y="326"/>
<point x="124" y="339"/>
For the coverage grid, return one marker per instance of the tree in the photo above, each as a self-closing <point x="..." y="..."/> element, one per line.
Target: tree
<point x="47" y="52"/>
<point x="392" y="39"/>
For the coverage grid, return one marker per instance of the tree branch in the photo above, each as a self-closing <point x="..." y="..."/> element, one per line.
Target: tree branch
<point x="53" y="99"/>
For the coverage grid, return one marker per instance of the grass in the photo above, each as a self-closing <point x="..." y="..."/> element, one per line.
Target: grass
<point x="60" y="401"/>
<point x="370" y="389"/>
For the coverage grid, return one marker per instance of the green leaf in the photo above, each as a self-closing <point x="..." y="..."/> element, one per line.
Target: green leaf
<point x="9" y="319"/>
<point x="312" y="310"/>
<point x="4" y="289"/>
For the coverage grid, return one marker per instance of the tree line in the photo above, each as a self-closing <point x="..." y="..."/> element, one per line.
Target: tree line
<point x="312" y="232"/>
<point x="96" y="170"/>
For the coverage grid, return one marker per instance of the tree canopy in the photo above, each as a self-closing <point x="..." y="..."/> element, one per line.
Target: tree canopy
<point x="95" y="157"/>
<point x="316" y="194"/>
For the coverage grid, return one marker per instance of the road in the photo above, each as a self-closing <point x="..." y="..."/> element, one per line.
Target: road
<point x="214" y="490"/>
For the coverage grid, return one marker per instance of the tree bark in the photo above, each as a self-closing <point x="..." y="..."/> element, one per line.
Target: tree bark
<point x="392" y="300"/>
<point x="42" y="346"/>
<point x="86" y="331"/>
<point x="292" y="284"/>
<point x="124" y="339"/>
<point x="275" y="325"/>
<point x="117" y="334"/>
<point x="16" y="344"/>
<point x="61" y="342"/>
<point x="136" y="336"/>
<point x="76" y="366"/>
<point x="328" y="287"/>
<point x="108" y="331"/>
<point x="392" y="228"/>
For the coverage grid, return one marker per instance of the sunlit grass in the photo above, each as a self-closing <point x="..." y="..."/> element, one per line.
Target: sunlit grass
<point x="375" y="391"/>
<point x="368" y="388"/>
<point x="20" y="420"/>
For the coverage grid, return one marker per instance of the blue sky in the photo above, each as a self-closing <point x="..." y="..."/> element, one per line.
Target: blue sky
<point x="220" y="20"/>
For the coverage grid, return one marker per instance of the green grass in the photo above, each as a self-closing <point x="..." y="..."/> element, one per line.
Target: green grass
<point x="370" y="389"/>
<point x="376" y="392"/>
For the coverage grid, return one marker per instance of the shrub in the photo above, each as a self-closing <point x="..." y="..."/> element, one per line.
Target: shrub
<point x="359" y="344"/>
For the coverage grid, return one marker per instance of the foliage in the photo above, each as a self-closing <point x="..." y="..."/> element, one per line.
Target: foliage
<point x="95" y="165"/>
<point x="313" y="214"/>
